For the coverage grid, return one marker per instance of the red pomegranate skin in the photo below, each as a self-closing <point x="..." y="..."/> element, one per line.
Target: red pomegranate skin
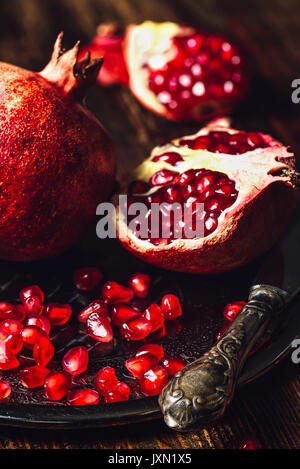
<point x="57" y="162"/>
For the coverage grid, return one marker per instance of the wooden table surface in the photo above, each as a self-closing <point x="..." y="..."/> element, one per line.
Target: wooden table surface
<point x="270" y="32"/>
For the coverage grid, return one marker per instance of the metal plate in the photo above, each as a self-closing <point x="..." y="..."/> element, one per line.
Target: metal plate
<point x="203" y="299"/>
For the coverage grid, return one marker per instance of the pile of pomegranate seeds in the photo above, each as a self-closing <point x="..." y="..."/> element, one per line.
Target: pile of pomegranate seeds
<point x="224" y="142"/>
<point x="28" y="326"/>
<point x="215" y="190"/>
<point x="152" y="369"/>
<point x="205" y="68"/>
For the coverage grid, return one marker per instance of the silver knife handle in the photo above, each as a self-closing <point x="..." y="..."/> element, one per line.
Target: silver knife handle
<point x="203" y="389"/>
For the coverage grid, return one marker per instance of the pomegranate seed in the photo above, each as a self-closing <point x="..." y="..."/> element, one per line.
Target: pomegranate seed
<point x="97" y="306"/>
<point x="87" y="279"/>
<point x="14" y="342"/>
<point x="140" y="284"/>
<point x="162" y="177"/>
<point x="42" y="322"/>
<point x="33" y="377"/>
<point x="83" y="397"/>
<point x="173" y="364"/>
<point x="113" y="293"/>
<point x="5" y="389"/>
<point x="120" y="393"/>
<point x="57" y="385"/>
<point x="138" y="187"/>
<point x="31" y="335"/>
<point x="32" y="299"/>
<point x="7" y="359"/>
<point x="170" y="157"/>
<point x="8" y="311"/>
<point x="136" y="328"/>
<point x="249" y="443"/>
<point x="105" y="380"/>
<point x="43" y="351"/>
<point x="232" y="309"/>
<point x="121" y="313"/>
<point x="11" y="326"/>
<point x="138" y="365"/>
<point x="58" y="314"/>
<point x="99" y="328"/>
<point x="153" y="349"/>
<point x="154" y="315"/>
<point x="224" y="142"/>
<point x="76" y="360"/>
<point x="153" y="381"/>
<point x="170" y="307"/>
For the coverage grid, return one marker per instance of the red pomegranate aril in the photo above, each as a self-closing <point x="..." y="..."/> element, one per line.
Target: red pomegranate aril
<point x="183" y="178"/>
<point x="113" y="293"/>
<point x="138" y="365"/>
<point x="153" y="381"/>
<point x="8" y="311"/>
<point x="224" y="142"/>
<point x="170" y="307"/>
<point x="43" y="351"/>
<point x="105" y="380"/>
<point x="249" y="443"/>
<point x="58" y="314"/>
<point x="170" y="157"/>
<point x="84" y="396"/>
<point x="136" y="328"/>
<point x="14" y="342"/>
<point x="32" y="299"/>
<point x="97" y="306"/>
<point x="153" y="349"/>
<point x="140" y="284"/>
<point x="41" y="321"/>
<point x="76" y="360"/>
<point x="121" y="313"/>
<point x="173" y="364"/>
<point x="57" y="385"/>
<point x="87" y="278"/>
<point x="99" y="328"/>
<point x="31" y="335"/>
<point x="154" y="315"/>
<point x="138" y="187"/>
<point x="33" y="377"/>
<point x="5" y="389"/>
<point x="120" y="393"/>
<point x="232" y="309"/>
<point x="162" y="177"/>
<point x="173" y="193"/>
<point x="7" y="359"/>
<point x="11" y="326"/>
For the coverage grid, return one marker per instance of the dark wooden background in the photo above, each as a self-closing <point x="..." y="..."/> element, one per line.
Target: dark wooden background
<point x="270" y="31"/>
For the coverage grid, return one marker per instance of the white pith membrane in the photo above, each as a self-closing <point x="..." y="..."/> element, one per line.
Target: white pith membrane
<point x="253" y="172"/>
<point x="144" y="43"/>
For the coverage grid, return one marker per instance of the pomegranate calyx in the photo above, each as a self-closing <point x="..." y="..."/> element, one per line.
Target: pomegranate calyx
<point x="73" y="77"/>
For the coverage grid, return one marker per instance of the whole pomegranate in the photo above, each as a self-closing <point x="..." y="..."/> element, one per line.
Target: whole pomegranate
<point x="57" y="161"/>
<point x="238" y="185"/>
<point x="174" y="70"/>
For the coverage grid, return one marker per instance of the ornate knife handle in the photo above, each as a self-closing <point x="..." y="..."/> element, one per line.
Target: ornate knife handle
<point x="203" y="389"/>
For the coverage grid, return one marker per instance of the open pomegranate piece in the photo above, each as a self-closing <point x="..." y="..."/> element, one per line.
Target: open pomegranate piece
<point x="238" y="187"/>
<point x="173" y="70"/>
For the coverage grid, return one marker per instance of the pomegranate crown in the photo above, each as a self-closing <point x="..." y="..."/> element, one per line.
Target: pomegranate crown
<point x="73" y="77"/>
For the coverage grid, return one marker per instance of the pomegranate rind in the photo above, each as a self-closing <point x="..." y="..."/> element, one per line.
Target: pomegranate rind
<point x="247" y="229"/>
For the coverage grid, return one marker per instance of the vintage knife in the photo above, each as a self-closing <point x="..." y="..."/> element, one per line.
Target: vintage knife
<point x="203" y="389"/>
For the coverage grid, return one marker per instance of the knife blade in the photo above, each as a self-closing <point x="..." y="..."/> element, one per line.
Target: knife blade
<point x="202" y="391"/>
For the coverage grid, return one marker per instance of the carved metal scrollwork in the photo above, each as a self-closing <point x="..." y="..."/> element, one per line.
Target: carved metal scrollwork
<point x="203" y="389"/>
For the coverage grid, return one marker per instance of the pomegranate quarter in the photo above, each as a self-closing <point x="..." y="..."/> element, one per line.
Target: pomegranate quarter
<point x="173" y="70"/>
<point x="237" y="186"/>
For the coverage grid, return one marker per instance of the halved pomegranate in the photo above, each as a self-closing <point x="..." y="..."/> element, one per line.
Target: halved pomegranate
<point x="173" y="70"/>
<point x="238" y="187"/>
